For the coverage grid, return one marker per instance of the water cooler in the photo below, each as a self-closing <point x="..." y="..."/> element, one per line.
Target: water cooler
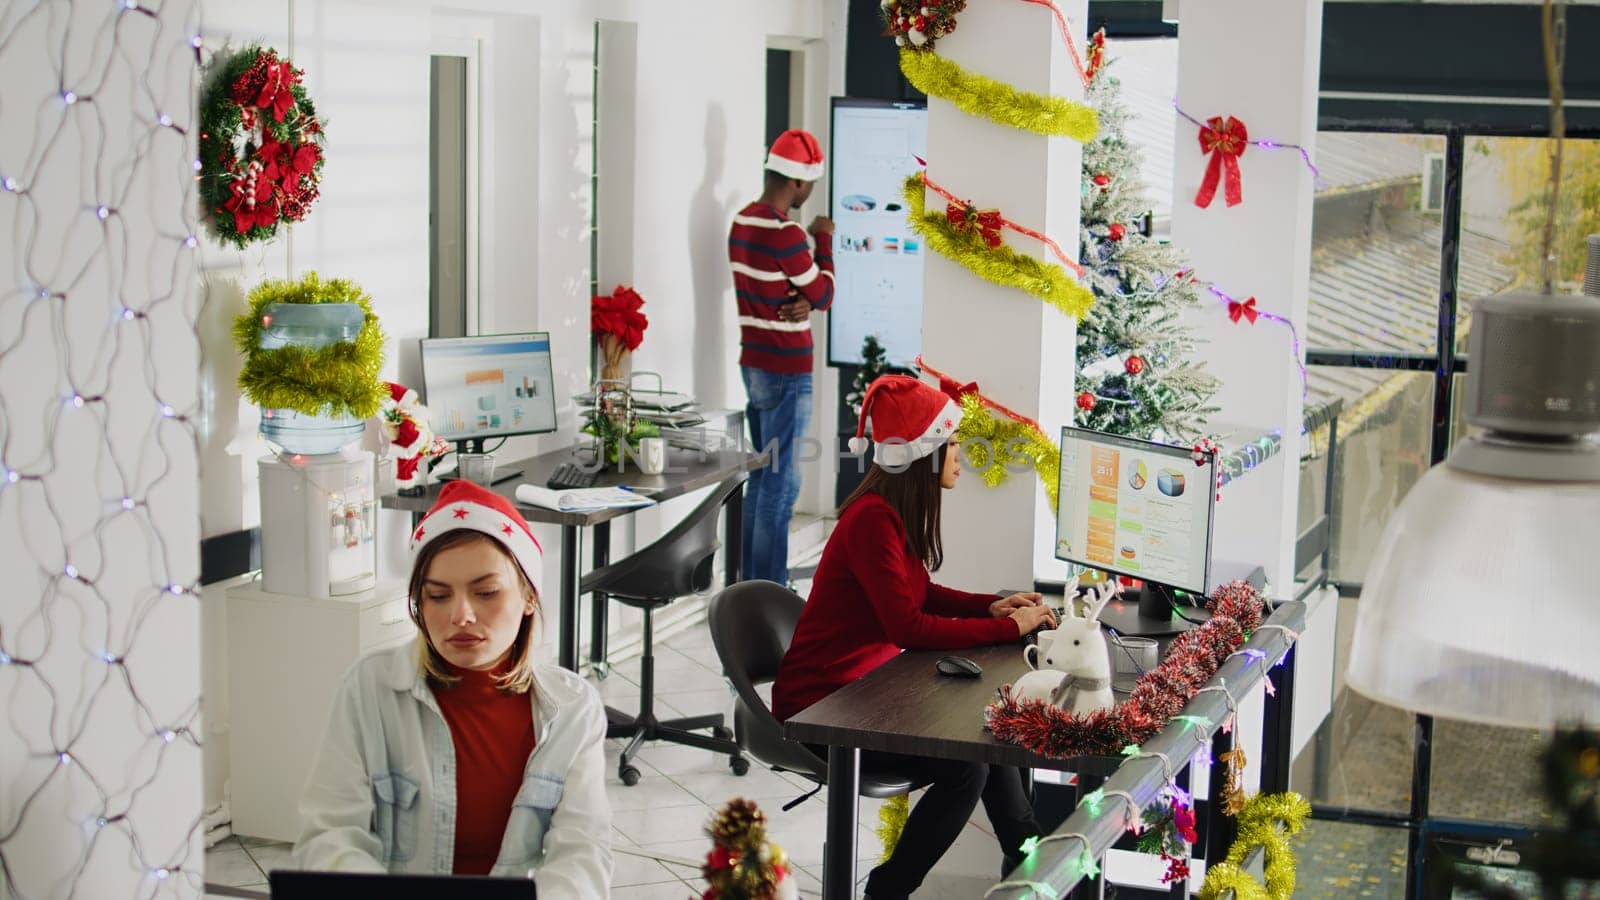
<point x="318" y="517"/>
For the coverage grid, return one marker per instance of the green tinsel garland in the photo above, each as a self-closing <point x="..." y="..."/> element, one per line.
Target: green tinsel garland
<point x="1259" y="823"/>
<point x="978" y="95"/>
<point x="996" y="447"/>
<point x="340" y="379"/>
<point x="1001" y="265"/>
<point x="891" y="823"/>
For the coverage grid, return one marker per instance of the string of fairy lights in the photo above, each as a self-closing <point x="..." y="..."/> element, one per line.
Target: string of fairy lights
<point x="99" y="450"/>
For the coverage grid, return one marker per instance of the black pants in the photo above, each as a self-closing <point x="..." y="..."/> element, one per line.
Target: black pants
<point x="939" y="816"/>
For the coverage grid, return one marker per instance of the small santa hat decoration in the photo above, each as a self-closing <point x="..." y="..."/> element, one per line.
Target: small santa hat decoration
<point x="908" y="420"/>
<point x="463" y="504"/>
<point x="796" y="154"/>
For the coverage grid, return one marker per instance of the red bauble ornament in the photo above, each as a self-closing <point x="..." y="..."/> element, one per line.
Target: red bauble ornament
<point x="1102" y="180"/>
<point x="1086" y="401"/>
<point x="1134" y="365"/>
<point x="1116" y="232"/>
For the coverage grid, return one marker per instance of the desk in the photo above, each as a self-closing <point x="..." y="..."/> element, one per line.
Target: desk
<point x="904" y="707"/>
<point x="687" y="470"/>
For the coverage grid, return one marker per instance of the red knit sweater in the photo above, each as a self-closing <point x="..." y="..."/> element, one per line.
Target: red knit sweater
<point x="769" y="255"/>
<point x="870" y="599"/>
<point x="493" y="735"/>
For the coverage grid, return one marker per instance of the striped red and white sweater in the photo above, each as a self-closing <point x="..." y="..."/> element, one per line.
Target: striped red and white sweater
<point x="769" y="254"/>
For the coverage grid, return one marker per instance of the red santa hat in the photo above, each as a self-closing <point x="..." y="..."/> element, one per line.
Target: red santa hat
<point x="464" y="505"/>
<point x="796" y="154"/>
<point x="908" y="420"/>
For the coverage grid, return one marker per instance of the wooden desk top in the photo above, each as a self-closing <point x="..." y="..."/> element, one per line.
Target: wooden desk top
<point x="687" y="470"/>
<point x="906" y="706"/>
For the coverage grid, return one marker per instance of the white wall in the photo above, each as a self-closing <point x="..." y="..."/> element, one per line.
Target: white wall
<point x="1260" y="248"/>
<point x="99" y="621"/>
<point x="694" y="155"/>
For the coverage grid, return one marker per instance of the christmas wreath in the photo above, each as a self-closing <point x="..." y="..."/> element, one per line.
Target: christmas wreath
<point x="1158" y="696"/>
<point x="260" y="146"/>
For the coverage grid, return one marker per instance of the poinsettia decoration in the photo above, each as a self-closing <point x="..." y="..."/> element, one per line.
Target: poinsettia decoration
<point x="918" y="23"/>
<point x="988" y="222"/>
<point x="617" y="323"/>
<point x="411" y="438"/>
<point x="260" y="146"/>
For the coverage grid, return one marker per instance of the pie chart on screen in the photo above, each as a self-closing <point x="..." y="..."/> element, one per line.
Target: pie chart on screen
<point x="859" y="203"/>
<point x="1138" y="475"/>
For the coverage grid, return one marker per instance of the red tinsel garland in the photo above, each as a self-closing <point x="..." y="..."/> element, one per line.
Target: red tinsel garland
<point x="1159" y="694"/>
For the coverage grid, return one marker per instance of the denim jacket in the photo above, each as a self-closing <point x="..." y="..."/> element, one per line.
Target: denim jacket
<point x="382" y="794"/>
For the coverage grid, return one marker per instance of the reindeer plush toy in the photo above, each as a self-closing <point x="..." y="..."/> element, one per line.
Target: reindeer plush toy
<point x="1072" y="667"/>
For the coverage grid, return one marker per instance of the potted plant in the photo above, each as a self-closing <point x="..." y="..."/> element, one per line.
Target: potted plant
<point x="313" y="351"/>
<point x="613" y="422"/>
<point x="618" y="326"/>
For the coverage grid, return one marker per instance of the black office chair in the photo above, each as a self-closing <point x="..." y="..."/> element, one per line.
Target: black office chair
<point x="752" y="624"/>
<point x="680" y="562"/>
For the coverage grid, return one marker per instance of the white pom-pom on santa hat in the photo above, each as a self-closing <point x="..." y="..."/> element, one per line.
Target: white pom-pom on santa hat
<point x="908" y="420"/>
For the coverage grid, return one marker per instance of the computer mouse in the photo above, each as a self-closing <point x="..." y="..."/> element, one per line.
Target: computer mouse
<point x="958" y="667"/>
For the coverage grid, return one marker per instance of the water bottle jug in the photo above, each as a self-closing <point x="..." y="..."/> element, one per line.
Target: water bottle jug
<point x="309" y="325"/>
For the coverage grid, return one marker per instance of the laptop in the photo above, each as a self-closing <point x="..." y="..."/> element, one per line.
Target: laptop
<point x="288" y="884"/>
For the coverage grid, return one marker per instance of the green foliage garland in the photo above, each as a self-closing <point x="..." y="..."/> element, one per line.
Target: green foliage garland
<point x="339" y="378"/>
<point x="1000" y="265"/>
<point x="1259" y="823"/>
<point x="979" y="95"/>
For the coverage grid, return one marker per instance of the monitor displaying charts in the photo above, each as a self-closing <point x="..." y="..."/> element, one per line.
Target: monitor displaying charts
<point x="489" y="386"/>
<point x="877" y="258"/>
<point x="1135" y="508"/>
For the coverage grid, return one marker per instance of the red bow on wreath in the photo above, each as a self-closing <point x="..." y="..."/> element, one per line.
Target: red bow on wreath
<point x="988" y="222"/>
<point x="1247" y="309"/>
<point x="1224" y="139"/>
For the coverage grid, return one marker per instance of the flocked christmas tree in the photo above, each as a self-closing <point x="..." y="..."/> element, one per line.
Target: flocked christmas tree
<point x="1136" y="374"/>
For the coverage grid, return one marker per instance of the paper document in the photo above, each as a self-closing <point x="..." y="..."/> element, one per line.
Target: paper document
<point x="580" y="499"/>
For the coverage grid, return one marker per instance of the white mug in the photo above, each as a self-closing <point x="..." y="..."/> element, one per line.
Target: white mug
<point x="652" y="455"/>
<point x="1030" y="653"/>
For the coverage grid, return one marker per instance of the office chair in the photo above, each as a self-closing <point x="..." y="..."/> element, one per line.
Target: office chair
<point x="680" y="562"/>
<point x="752" y="623"/>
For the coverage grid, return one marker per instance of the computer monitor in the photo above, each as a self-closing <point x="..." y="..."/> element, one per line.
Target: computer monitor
<point x="488" y="386"/>
<point x="1136" y="508"/>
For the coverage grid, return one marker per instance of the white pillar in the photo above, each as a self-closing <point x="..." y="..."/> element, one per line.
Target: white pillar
<point x="1258" y="61"/>
<point x="1019" y="350"/>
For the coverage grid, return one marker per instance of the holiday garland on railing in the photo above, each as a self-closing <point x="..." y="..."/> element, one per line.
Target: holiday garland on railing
<point x="1158" y="696"/>
<point x="997" y="263"/>
<point x="260" y="147"/>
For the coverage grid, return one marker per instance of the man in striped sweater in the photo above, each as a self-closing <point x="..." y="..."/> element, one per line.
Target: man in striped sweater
<point x="778" y="279"/>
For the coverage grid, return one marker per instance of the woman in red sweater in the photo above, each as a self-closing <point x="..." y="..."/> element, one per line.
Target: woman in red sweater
<point x="872" y="597"/>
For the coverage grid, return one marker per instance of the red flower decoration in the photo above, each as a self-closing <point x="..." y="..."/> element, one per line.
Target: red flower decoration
<point x="988" y="222"/>
<point x="1183" y="820"/>
<point x="618" y="315"/>
<point x="277" y="92"/>
<point x="252" y="203"/>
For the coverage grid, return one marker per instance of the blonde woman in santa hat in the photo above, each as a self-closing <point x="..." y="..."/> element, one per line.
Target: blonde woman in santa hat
<point x="461" y="753"/>
<point x="872" y="597"/>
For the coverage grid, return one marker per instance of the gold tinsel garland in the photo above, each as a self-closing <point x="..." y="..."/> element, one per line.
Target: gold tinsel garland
<point x="996" y="447"/>
<point x="891" y="823"/>
<point x="1000" y="265"/>
<point x="978" y="95"/>
<point x="1259" y="826"/>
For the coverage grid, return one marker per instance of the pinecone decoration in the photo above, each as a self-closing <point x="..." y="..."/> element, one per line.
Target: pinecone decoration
<point x="739" y="824"/>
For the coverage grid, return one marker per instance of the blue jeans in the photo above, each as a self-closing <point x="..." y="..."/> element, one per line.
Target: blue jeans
<point x="778" y="413"/>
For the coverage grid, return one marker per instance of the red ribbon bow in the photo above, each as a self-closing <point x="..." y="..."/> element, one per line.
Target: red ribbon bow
<point x="1224" y="139"/>
<point x="965" y="216"/>
<point x="955" y="389"/>
<point x="1247" y="309"/>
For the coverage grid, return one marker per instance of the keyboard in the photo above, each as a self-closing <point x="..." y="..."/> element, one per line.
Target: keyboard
<point x="570" y="475"/>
